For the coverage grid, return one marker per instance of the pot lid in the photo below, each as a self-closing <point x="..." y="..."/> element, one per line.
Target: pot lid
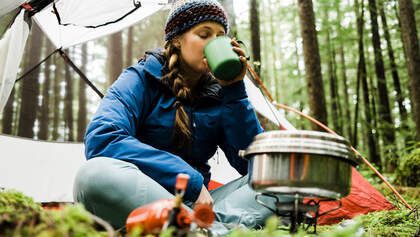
<point x="301" y="141"/>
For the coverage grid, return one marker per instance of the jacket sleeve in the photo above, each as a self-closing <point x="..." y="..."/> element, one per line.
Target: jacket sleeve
<point x="239" y="124"/>
<point x="112" y="133"/>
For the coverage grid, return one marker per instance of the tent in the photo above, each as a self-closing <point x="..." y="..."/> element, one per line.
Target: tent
<point x="45" y="170"/>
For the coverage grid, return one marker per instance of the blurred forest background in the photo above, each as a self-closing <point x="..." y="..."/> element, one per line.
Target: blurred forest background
<point x="352" y="64"/>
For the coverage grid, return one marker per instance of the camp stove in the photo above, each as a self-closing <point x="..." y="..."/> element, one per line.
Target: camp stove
<point x="300" y="164"/>
<point x="299" y="214"/>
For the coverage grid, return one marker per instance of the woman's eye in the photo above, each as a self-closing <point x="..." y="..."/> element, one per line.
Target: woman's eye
<point x="204" y="36"/>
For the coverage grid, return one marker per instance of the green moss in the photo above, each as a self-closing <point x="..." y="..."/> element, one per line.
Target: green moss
<point x="408" y="171"/>
<point x="389" y="223"/>
<point x="21" y="216"/>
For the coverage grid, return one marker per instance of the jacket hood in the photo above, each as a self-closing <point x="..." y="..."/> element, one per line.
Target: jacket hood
<point x="155" y="64"/>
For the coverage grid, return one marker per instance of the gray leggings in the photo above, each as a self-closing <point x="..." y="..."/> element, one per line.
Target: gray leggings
<point x="111" y="189"/>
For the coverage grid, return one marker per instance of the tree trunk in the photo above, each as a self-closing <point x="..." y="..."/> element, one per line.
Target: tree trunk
<point x="45" y="109"/>
<point x="228" y="5"/>
<point x="82" y="113"/>
<point x="115" y="57"/>
<point x="394" y="70"/>
<point x="331" y="73"/>
<point x="334" y="86"/>
<point x="411" y="45"/>
<point x="312" y="60"/>
<point x="361" y="74"/>
<point x="129" y="47"/>
<point x="299" y="71"/>
<point x="386" y="124"/>
<point x="57" y="97"/>
<point x="347" y="125"/>
<point x="274" y="54"/>
<point x="30" y="87"/>
<point x="68" y="102"/>
<point x="7" y="120"/>
<point x="255" y="35"/>
<point x="356" y="110"/>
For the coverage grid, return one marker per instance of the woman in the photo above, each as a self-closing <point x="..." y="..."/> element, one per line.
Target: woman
<point x="165" y="116"/>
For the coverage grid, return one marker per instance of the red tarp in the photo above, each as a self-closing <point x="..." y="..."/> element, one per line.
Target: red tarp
<point x="363" y="199"/>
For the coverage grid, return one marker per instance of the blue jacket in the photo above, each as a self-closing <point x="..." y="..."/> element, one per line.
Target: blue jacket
<point x="135" y="119"/>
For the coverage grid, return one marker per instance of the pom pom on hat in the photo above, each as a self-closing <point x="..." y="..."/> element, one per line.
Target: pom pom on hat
<point x="185" y="14"/>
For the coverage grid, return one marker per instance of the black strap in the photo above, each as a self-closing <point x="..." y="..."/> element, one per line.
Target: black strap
<point x="68" y="61"/>
<point x="81" y="74"/>
<point x="36" y="66"/>
<point x="136" y="5"/>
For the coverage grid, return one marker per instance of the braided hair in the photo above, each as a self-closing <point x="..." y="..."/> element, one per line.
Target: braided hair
<point x="182" y="134"/>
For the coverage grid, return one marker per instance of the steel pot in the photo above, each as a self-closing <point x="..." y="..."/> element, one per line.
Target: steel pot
<point x="308" y="163"/>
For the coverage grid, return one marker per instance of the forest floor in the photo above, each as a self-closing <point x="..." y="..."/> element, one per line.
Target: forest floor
<point x="20" y="216"/>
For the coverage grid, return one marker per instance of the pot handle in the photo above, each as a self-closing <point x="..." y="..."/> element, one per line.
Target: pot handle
<point x="241" y="153"/>
<point x="265" y="205"/>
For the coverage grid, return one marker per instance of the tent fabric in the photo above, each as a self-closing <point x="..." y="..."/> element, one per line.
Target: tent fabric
<point x="81" y="13"/>
<point x="7" y="6"/>
<point x="264" y="107"/>
<point x="42" y="170"/>
<point x="12" y="46"/>
<point x="363" y="199"/>
<point x="75" y="12"/>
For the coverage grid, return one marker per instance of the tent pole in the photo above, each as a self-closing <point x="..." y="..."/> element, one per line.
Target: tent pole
<point x="34" y="67"/>
<point x="81" y="74"/>
<point x="332" y="132"/>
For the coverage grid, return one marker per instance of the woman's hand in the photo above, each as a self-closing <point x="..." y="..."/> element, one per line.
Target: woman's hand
<point x="204" y="197"/>
<point x="242" y="57"/>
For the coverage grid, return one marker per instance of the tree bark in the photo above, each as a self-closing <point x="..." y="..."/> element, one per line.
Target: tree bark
<point x="393" y="64"/>
<point x="411" y="45"/>
<point x="274" y="54"/>
<point x="312" y="60"/>
<point x="115" y="57"/>
<point x="68" y="102"/>
<point x="347" y="125"/>
<point x="57" y="97"/>
<point x="82" y="113"/>
<point x="7" y="120"/>
<point x="255" y="35"/>
<point x="45" y="109"/>
<point x="361" y="74"/>
<point x="387" y="125"/>
<point x="129" y="47"/>
<point x="30" y="87"/>
<point x="332" y="73"/>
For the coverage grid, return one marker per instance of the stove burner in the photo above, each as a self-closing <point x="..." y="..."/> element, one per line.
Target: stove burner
<point x="299" y="213"/>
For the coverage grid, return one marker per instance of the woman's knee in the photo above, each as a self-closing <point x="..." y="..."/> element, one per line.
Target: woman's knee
<point x="102" y="179"/>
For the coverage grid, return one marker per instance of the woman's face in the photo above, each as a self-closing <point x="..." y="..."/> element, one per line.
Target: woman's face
<point x="192" y="45"/>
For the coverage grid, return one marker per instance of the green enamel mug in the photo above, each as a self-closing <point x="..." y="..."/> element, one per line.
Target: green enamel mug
<point x="222" y="59"/>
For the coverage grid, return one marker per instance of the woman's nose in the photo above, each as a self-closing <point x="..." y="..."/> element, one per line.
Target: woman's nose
<point x="212" y="37"/>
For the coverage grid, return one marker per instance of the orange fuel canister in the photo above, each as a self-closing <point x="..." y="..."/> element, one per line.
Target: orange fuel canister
<point x="157" y="216"/>
<point x="152" y="217"/>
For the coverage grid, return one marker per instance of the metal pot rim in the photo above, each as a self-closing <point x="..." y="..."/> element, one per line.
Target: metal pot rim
<point x="301" y="141"/>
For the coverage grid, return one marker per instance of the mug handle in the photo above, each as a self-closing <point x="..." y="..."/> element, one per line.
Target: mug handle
<point x="247" y="57"/>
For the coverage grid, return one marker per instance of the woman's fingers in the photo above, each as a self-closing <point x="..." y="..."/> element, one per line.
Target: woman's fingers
<point x="239" y="51"/>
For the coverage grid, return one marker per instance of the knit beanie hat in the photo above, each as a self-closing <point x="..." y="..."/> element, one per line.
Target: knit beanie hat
<point x="185" y="14"/>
